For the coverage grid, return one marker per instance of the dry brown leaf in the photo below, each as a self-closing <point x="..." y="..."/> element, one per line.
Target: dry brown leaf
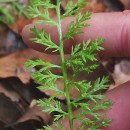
<point x="121" y="73"/>
<point x="32" y="119"/>
<point x="113" y="6"/>
<point x="34" y="112"/>
<point x="16" y="91"/>
<point x="13" y="64"/>
<point x="9" y="111"/>
<point x="126" y="3"/>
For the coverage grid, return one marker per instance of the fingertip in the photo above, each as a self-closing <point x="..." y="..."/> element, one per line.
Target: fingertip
<point x="119" y="112"/>
<point x="26" y="33"/>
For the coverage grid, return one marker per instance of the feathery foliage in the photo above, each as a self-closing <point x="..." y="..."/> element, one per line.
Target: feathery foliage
<point x="88" y="101"/>
<point x="7" y="10"/>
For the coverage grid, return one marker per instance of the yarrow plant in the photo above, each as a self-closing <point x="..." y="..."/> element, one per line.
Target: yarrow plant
<point x="80" y="55"/>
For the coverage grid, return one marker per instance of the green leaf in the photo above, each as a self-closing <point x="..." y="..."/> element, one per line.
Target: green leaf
<point x="47" y="127"/>
<point x="59" y="125"/>
<point x="40" y="63"/>
<point x="57" y="117"/>
<point x="44" y="39"/>
<point x="52" y="87"/>
<point x="51" y="106"/>
<point x="37" y="8"/>
<point x="75" y="27"/>
<point x="73" y="8"/>
<point x="47" y="78"/>
<point x="44" y="4"/>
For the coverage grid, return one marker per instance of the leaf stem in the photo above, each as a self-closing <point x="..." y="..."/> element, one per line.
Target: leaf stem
<point x="66" y="87"/>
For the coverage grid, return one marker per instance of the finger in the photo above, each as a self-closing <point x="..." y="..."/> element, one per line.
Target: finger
<point x="119" y="111"/>
<point x="114" y="27"/>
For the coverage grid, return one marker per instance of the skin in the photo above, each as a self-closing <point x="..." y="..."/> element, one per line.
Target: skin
<point x="115" y="28"/>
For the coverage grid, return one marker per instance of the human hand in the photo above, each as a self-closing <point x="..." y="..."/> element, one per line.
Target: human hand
<point x="115" y="28"/>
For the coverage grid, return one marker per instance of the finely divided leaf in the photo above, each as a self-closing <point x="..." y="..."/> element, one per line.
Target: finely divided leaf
<point x="44" y="39"/>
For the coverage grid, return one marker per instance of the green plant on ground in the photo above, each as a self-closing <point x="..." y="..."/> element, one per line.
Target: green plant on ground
<point x="80" y="55"/>
<point x="9" y="8"/>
